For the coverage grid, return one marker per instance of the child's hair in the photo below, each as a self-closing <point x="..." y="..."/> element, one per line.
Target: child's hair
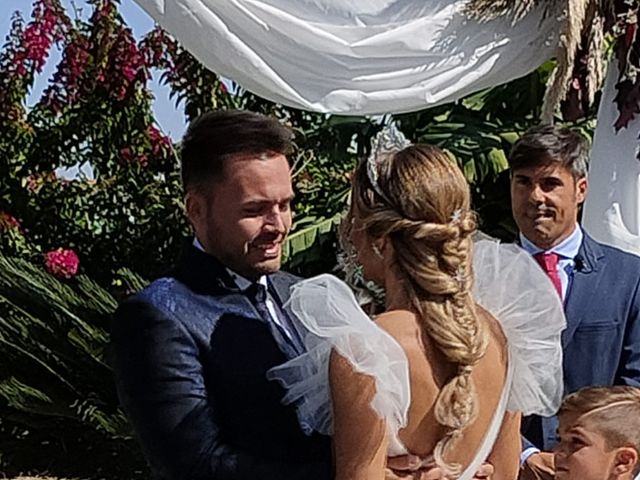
<point x="613" y="412"/>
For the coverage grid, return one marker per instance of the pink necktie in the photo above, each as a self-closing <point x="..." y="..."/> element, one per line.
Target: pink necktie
<point x="549" y="263"/>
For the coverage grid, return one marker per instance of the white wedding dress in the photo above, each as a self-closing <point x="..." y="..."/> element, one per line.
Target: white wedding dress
<point x="508" y="283"/>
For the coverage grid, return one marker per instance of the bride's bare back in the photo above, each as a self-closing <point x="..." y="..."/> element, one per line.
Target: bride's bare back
<point x="429" y="371"/>
<point x="355" y="420"/>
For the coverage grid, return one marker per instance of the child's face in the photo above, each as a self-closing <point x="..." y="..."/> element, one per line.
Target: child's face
<point x="582" y="453"/>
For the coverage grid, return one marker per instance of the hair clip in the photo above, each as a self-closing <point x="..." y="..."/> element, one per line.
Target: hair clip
<point x="460" y="276"/>
<point x="387" y="141"/>
<point x="456" y="216"/>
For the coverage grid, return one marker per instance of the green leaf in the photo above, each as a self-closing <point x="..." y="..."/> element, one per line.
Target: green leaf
<point x="498" y="160"/>
<point x="304" y="238"/>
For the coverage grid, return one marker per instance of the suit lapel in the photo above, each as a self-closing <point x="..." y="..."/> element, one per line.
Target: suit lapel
<point x="589" y="261"/>
<point x="203" y="273"/>
<point x="280" y="286"/>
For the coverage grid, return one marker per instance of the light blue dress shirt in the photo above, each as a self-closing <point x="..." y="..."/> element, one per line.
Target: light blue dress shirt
<point x="567" y="250"/>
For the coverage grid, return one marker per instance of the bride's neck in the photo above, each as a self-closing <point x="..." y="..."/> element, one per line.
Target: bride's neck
<point x="396" y="297"/>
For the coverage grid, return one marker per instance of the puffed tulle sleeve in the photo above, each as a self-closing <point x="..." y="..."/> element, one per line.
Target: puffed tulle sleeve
<point x="511" y="285"/>
<point x="508" y="283"/>
<point x="330" y="319"/>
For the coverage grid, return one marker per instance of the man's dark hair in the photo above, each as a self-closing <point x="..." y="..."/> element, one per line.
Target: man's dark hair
<point x="214" y="137"/>
<point x="544" y="145"/>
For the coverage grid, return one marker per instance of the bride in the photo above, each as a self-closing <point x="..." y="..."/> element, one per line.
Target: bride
<point x="448" y="368"/>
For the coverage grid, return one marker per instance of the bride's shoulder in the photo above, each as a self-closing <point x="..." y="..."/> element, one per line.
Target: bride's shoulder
<point x="404" y="327"/>
<point x="492" y="324"/>
<point x="397" y="321"/>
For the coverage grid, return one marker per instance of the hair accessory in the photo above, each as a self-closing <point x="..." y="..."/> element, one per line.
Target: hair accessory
<point x="456" y="216"/>
<point x="376" y="251"/>
<point x="459" y="277"/>
<point x="387" y="141"/>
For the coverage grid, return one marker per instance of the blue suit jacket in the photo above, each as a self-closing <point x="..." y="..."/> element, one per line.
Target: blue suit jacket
<point x="190" y="355"/>
<point x="601" y="343"/>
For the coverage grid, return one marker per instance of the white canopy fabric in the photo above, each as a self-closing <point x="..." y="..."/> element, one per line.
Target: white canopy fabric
<point x="356" y="57"/>
<point x="612" y="209"/>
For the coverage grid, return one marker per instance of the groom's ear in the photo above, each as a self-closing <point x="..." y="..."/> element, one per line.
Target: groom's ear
<point x="194" y="207"/>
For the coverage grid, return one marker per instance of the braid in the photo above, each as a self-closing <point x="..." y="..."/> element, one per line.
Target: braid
<point x="426" y="216"/>
<point x="442" y="296"/>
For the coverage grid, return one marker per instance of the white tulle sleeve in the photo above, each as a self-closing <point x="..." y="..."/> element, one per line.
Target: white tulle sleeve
<point x="330" y="318"/>
<point x="510" y="285"/>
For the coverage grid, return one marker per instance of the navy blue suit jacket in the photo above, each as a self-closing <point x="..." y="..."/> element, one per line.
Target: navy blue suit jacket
<point x="601" y="343"/>
<point x="190" y="354"/>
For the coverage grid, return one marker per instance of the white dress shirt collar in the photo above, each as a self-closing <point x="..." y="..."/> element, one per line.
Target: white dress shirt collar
<point x="242" y="282"/>
<point x="568" y="248"/>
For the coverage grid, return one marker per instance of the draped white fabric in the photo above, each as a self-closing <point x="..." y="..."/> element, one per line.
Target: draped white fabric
<point x="356" y="57"/>
<point x="390" y="56"/>
<point x="612" y="208"/>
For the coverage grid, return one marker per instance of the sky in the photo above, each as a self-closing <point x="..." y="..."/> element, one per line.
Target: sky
<point x="170" y="119"/>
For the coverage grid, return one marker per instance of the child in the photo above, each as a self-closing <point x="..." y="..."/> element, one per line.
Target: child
<point x="599" y="434"/>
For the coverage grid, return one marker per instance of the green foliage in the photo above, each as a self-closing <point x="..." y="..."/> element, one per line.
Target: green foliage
<point x="54" y="377"/>
<point x="97" y="112"/>
<point x="57" y="397"/>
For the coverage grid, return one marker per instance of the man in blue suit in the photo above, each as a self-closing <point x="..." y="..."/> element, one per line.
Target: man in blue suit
<point x="191" y="351"/>
<point x="599" y="284"/>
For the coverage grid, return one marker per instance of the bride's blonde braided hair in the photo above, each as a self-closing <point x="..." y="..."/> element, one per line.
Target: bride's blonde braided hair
<point x="424" y="210"/>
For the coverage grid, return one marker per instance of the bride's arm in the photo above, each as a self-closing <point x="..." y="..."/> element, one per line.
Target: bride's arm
<point x="360" y="440"/>
<point x="505" y="455"/>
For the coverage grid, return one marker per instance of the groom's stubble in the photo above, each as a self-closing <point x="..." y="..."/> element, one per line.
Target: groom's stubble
<point x="244" y="219"/>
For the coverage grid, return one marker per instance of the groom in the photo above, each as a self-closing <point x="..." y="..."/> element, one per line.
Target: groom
<point x="191" y="351"/>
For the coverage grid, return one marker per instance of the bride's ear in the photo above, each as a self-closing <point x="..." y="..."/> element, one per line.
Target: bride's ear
<point x="382" y="247"/>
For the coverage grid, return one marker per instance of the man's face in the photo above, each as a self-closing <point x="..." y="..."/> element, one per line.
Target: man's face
<point x="582" y="454"/>
<point x="545" y="201"/>
<point x="244" y="218"/>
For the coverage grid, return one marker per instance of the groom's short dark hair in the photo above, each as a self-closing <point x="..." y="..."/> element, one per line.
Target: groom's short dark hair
<point x="215" y="137"/>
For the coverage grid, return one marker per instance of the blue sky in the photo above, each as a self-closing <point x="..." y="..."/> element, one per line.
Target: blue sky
<point x="171" y="120"/>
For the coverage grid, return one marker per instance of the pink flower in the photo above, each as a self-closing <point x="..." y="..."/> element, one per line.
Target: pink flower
<point x="143" y="160"/>
<point x="129" y="72"/>
<point x="62" y="263"/>
<point x="160" y="143"/>
<point x="34" y="182"/>
<point x="125" y="153"/>
<point x="8" y="222"/>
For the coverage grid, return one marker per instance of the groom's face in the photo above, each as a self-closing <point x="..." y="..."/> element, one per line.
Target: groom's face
<point x="244" y="217"/>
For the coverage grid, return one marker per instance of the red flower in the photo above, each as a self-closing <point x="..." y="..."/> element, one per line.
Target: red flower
<point x="125" y="153"/>
<point x="143" y="160"/>
<point x="8" y="222"/>
<point x="34" y="182"/>
<point x="62" y="263"/>
<point x="160" y="143"/>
